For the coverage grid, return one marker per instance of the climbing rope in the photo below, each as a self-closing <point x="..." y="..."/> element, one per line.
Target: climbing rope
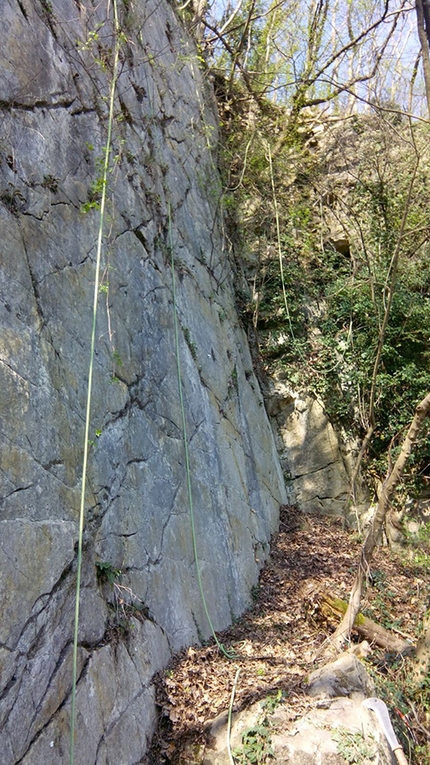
<point x="224" y="651"/>
<point x="279" y="245"/>
<point x="229" y="720"/>
<point x="90" y="380"/>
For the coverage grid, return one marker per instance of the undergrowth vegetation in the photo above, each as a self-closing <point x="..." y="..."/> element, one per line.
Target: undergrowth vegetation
<point x="336" y="254"/>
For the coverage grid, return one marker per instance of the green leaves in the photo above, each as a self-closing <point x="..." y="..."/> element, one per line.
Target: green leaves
<point x="353" y="747"/>
<point x="106" y="572"/>
<point x="256" y="746"/>
<point x="366" y="191"/>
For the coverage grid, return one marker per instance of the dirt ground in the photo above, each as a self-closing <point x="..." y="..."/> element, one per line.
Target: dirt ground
<point x="277" y="643"/>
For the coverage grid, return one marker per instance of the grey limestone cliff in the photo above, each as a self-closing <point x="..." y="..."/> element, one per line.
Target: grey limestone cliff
<point x="164" y="195"/>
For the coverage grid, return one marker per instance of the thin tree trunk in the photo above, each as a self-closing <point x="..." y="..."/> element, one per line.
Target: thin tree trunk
<point x="426" y="12"/>
<point x="388" y="299"/>
<point x="373" y="535"/>
<point x="199" y="8"/>
<point x="423" y="26"/>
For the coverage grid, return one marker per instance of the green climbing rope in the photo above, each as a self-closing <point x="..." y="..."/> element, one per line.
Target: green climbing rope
<point x="89" y="387"/>
<point x="224" y="651"/>
<point x="279" y="245"/>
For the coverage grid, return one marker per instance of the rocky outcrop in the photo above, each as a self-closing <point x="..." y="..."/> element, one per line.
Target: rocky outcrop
<point x="317" y="462"/>
<point x="336" y="728"/>
<point x="139" y="598"/>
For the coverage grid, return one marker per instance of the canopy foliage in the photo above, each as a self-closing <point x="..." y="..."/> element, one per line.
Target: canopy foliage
<point x="327" y="173"/>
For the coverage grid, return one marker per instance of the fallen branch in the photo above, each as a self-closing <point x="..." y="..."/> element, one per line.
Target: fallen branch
<point x="333" y="608"/>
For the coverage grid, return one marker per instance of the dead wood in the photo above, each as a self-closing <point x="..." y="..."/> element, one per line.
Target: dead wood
<point x="334" y="608"/>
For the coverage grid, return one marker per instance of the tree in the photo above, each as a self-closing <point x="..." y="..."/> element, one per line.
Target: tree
<point x="357" y="329"/>
<point x="305" y="54"/>
<point x="422" y="8"/>
<point x="373" y="535"/>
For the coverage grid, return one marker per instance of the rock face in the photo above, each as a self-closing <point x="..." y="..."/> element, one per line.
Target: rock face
<point x="164" y="199"/>
<point x="317" y="463"/>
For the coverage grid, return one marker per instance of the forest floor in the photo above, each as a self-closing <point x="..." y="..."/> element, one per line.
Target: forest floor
<point x="276" y="643"/>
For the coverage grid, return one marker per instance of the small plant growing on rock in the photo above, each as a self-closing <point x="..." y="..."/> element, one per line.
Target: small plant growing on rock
<point x="123" y="604"/>
<point x="256" y="746"/>
<point x="354" y="747"/>
<point x="51" y="183"/>
<point x="272" y="702"/>
<point x="106" y="572"/>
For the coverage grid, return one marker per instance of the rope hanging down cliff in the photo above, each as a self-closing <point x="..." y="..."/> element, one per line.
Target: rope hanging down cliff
<point x="90" y="377"/>
<point x="228" y="654"/>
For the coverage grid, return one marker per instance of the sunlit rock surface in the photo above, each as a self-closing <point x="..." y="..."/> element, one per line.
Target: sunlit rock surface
<point x="164" y="199"/>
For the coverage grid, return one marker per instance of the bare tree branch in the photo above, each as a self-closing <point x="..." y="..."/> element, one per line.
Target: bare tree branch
<point x="373" y="535"/>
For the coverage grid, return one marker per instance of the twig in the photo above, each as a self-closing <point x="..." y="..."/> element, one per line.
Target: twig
<point x="418" y="724"/>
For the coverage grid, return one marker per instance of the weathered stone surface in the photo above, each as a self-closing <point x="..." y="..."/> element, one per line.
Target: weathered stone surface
<point x="317" y="737"/>
<point x="163" y="196"/>
<point x="323" y="734"/>
<point x="317" y="463"/>
<point x="333" y="726"/>
<point x="115" y="706"/>
<point x="344" y="677"/>
<point x="33" y="556"/>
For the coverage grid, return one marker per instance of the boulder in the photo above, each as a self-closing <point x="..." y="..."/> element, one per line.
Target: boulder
<point x="317" y="460"/>
<point x="336" y="729"/>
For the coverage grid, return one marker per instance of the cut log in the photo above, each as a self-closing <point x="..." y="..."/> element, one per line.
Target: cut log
<point x="334" y="608"/>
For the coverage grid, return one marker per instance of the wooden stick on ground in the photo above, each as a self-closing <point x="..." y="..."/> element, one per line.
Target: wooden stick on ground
<point x="333" y="608"/>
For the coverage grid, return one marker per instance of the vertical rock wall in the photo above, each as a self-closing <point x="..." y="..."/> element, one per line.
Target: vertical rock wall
<point x="164" y="194"/>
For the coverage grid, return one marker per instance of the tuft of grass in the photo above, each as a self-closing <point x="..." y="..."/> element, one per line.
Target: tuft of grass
<point x="354" y="747"/>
